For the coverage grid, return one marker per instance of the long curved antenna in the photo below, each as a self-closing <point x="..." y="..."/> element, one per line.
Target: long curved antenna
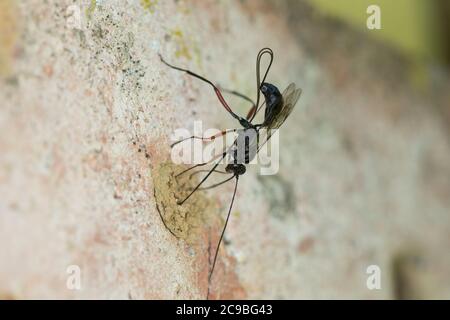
<point x="223" y="231"/>
<point x="261" y="53"/>
<point x="216" y="89"/>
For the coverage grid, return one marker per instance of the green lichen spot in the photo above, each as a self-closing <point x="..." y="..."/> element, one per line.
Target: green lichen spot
<point x="149" y="5"/>
<point x="91" y="8"/>
<point x="182" y="48"/>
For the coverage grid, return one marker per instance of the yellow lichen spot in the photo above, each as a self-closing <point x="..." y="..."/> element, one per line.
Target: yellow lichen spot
<point x="183" y="7"/>
<point x="182" y="48"/>
<point x="91" y="8"/>
<point x="197" y="55"/>
<point x="149" y="5"/>
<point x="8" y="35"/>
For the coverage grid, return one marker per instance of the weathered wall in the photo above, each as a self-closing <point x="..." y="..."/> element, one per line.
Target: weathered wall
<point x="86" y="116"/>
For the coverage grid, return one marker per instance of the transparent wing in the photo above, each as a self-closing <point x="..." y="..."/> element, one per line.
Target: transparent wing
<point x="290" y="98"/>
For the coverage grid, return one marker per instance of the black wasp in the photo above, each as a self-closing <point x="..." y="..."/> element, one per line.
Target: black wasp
<point x="245" y="147"/>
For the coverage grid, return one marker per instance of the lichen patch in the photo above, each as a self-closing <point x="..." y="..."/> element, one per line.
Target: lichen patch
<point x="183" y="221"/>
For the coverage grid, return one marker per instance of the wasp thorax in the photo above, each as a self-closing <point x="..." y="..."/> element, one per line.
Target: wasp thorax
<point x="270" y="91"/>
<point x="274" y="101"/>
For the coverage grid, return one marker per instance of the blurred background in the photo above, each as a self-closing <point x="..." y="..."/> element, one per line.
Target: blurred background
<point x="87" y="112"/>
<point x="418" y="30"/>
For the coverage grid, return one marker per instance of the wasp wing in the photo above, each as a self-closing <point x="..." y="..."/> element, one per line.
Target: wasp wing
<point x="290" y="98"/>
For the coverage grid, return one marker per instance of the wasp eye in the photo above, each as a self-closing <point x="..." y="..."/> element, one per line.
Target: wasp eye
<point x="263" y="88"/>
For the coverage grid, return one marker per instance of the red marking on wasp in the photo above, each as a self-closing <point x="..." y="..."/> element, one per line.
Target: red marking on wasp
<point x="278" y="107"/>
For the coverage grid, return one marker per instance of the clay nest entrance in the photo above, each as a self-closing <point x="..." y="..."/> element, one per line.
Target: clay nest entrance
<point x="185" y="221"/>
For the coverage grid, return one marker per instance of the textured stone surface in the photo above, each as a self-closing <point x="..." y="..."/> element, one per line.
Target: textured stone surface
<point x="86" y="117"/>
